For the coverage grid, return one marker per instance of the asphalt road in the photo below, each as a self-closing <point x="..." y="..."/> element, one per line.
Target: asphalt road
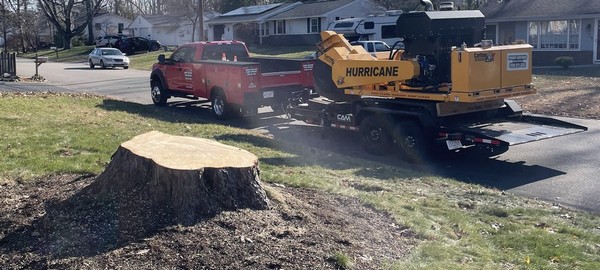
<point x="564" y="170"/>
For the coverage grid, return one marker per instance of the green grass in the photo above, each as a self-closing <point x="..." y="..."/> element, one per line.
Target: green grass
<point x="457" y="225"/>
<point x="342" y="261"/>
<point x="75" y="54"/>
<point x="144" y="61"/>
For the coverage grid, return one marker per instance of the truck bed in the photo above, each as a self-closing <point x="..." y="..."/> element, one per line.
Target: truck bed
<point x="276" y="65"/>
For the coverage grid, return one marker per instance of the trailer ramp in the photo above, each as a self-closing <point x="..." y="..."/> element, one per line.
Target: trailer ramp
<point x="524" y="128"/>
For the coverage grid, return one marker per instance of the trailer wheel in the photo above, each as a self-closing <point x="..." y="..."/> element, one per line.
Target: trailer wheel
<point x="376" y="135"/>
<point x="158" y="94"/>
<point x="411" y="141"/>
<point x="220" y="108"/>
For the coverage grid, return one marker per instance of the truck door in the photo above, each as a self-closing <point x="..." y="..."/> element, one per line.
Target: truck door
<point x="180" y="72"/>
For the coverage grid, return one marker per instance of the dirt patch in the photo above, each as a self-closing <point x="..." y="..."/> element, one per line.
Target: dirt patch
<point x="48" y="223"/>
<point x="570" y="93"/>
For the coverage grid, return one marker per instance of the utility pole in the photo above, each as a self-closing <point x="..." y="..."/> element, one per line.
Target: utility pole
<point x="200" y="20"/>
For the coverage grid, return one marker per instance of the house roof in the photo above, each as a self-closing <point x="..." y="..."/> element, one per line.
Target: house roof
<point x="313" y="9"/>
<point x="237" y="16"/>
<point x="515" y="10"/>
<point x="162" y="20"/>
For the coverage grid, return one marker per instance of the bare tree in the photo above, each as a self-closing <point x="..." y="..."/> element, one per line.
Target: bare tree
<point x="20" y="10"/>
<point x="191" y="11"/>
<point x="6" y="14"/>
<point x="62" y="13"/>
<point x="412" y="5"/>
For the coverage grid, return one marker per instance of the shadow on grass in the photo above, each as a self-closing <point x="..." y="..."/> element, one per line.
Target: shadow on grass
<point x="342" y="150"/>
<point x="187" y="111"/>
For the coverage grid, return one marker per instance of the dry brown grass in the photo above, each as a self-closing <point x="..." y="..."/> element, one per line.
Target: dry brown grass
<point x="573" y="92"/>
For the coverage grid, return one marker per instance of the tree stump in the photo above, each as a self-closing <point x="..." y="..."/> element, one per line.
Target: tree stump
<point x="184" y="177"/>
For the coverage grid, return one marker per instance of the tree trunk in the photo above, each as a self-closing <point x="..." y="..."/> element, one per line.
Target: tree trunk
<point x="183" y="177"/>
<point x="66" y="41"/>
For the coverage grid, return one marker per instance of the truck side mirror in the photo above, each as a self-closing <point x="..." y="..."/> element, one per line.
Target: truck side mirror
<point x="161" y="58"/>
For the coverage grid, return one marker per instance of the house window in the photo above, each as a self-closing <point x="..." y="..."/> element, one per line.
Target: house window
<point x="98" y="26"/>
<point x="314" y="25"/>
<point x="533" y="34"/>
<point x="266" y="29"/>
<point x="279" y="27"/>
<point x="574" y="31"/>
<point x="555" y="35"/>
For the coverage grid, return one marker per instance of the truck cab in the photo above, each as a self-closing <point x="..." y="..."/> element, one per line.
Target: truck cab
<point x="224" y="73"/>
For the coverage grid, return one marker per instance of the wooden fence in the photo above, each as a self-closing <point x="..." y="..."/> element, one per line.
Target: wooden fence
<point x="8" y="66"/>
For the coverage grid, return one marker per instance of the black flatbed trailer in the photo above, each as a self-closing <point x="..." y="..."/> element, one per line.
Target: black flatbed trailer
<point x="385" y="124"/>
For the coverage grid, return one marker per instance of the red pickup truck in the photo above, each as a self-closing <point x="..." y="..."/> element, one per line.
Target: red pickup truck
<point x="224" y="73"/>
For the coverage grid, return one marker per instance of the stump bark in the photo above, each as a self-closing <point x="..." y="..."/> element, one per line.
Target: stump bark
<point x="187" y="178"/>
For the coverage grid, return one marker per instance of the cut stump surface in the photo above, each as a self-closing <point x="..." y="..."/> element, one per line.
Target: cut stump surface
<point x="183" y="177"/>
<point x="188" y="153"/>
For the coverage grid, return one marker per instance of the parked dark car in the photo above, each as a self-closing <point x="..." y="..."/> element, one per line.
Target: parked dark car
<point x="132" y="45"/>
<point x="108" y="41"/>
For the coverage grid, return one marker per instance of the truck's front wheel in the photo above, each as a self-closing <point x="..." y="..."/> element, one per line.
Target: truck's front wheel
<point x="376" y="135"/>
<point x="158" y="94"/>
<point x="220" y="108"/>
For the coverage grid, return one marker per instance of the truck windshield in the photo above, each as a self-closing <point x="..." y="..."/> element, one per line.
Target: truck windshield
<point x="215" y="52"/>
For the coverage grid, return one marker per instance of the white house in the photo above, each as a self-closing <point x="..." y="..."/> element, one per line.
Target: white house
<point x="167" y="29"/>
<point x="106" y="24"/>
<point x="554" y="28"/>
<point x="287" y="23"/>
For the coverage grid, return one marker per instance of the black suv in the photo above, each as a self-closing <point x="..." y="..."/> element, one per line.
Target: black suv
<point x="132" y="45"/>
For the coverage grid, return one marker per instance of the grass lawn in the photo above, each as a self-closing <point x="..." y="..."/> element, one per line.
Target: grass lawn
<point x="144" y="61"/>
<point x="458" y="225"/>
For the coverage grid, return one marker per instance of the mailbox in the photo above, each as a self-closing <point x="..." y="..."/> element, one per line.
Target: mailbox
<point x="40" y="60"/>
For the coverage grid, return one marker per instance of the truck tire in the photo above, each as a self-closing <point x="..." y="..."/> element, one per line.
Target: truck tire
<point x="410" y="140"/>
<point x="159" y="94"/>
<point x="376" y="135"/>
<point x="219" y="105"/>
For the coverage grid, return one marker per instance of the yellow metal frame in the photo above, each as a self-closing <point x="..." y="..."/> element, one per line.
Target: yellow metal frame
<point x="359" y="73"/>
<point x="443" y="94"/>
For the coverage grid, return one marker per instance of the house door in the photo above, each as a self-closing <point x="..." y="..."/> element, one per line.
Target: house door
<point x="598" y="40"/>
<point x="219" y="30"/>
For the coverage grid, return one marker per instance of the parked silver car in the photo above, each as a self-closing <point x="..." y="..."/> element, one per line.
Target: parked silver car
<point x="108" y="57"/>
